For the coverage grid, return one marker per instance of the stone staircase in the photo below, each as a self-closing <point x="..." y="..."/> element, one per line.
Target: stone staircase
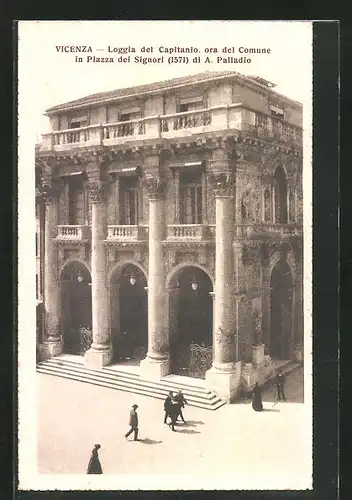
<point x="127" y="378"/>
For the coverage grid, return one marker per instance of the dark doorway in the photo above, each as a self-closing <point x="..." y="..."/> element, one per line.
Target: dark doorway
<point x="281" y="311"/>
<point x="192" y="333"/>
<point x="130" y="325"/>
<point x="76" y="308"/>
<point x="280" y="196"/>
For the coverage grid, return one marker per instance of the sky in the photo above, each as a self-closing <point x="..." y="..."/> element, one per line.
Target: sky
<point x="52" y="77"/>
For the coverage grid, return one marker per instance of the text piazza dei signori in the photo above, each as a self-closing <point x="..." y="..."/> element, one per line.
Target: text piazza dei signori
<point x="170" y="222"/>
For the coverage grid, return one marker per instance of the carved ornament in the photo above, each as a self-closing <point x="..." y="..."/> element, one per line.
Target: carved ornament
<point x="222" y="183"/>
<point x="155" y="186"/>
<point x="96" y="191"/>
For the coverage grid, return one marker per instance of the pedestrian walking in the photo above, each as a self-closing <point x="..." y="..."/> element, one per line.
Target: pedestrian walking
<point x="279" y="381"/>
<point x="174" y="410"/>
<point x="182" y="402"/>
<point x="167" y="404"/>
<point x="133" y="423"/>
<point x="257" y="403"/>
<point x="94" y="466"/>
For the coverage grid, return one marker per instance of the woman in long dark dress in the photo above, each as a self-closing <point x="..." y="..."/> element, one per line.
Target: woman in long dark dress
<point x="257" y="403"/>
<point x="94" y="466"/>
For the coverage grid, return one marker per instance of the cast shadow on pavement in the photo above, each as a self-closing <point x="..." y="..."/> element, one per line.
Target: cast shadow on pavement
<point x="192" y="423"/>
<point x="149" y="441"/>
<point x="188" y="431"/>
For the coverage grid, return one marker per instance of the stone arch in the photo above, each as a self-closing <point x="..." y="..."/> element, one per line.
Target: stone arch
<point x="281" y="310"/>
<point x="128" y="306"/>
<point x="76" y="306"/>
<point x="290" y="260"/>
<point x="190" y="318"/>
<point x="171" y="278"/>
<point x="69" y="260"/>
<point x="118" y="268"/>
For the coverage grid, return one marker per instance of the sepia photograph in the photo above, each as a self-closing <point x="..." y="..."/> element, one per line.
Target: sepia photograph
<point x="165" y="338"/>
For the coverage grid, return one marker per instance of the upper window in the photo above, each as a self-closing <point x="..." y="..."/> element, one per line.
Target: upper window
<point x="190" y="104"/>
<point x="191" y="197"/>
<point x="78" y="121"/>
<point x="277" y="112"/>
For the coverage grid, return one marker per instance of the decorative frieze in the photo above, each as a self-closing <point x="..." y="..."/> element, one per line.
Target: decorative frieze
<point x="222" y="183"/>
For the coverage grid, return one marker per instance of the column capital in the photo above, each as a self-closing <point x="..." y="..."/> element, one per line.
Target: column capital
<point x="155" y="186"/>
<point x="222" y="183"/>
<point x="96" y="190"/>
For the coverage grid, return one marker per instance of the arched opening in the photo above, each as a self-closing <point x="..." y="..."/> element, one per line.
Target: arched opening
<point x="129" y="314"/>
<point x="280" y="196"/>
<point x="281" y="311"/>
<point x="191" y="321"/>
<point x="76" y="308"/>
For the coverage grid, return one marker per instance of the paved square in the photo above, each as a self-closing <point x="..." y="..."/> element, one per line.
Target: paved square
<point x="257" y="449"/>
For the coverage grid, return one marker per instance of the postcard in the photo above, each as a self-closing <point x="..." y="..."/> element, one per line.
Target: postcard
<point x="165" y="255"/>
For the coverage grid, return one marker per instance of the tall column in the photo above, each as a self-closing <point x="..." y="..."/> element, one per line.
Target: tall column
<point x="156" y="364"/>
<point x="100" y="353"/>
<point x="52" y="337"/>
<point x="224" y="376"/>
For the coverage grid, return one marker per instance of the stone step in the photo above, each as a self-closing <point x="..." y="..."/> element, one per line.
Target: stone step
<point x="170" y="385"/>
<point x="116" y="378"/>
<point x="81" y="374"/>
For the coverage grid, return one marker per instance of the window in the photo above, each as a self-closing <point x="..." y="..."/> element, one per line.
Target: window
<point x="267" y="202"/>
<point x="191" y="198"/>
<point x="76" y="208"/>
<point x="190" y="104"/>
<point x="78" y="121"/>
<point x="129" y="192"/>
<point x="280" y="196"/>
<point x="261" y="121"/>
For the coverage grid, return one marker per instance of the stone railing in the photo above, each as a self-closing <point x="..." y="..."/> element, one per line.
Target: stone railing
<point x="221" y="117"/>
<point x="188" y="232"/>
<point x="72" y="233"/>
<point x="188" y="119"/>
<point x="127" y="233"/>
<point x="265" y="230"/>
<point x="124" y="129"/>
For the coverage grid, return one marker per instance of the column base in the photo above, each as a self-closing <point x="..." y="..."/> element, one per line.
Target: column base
<point x="49" y="349"/>
<point x="225" y="383"/>
<point x="154" y="369"/>
<point x="96" y="359"/>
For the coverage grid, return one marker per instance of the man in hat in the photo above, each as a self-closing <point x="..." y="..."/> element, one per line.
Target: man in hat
<point x="133" y="423"/>
<point x="182" y="402"/>
<point x="279" y="381"/>
<point x="167" y="404"/>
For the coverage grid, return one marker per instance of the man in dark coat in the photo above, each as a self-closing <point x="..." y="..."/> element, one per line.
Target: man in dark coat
<point x="174" y="410"/>
<point x="94" y="466"/>
<point x="167" y="404"/>
<point x="279" y="381"/>
<point x="133" y="423"/>
<point x="182" y="402"/>
<point x="257" y="403"/>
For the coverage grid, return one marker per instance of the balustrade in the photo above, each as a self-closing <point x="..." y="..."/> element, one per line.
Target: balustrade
<point x="128" y="233"/>
<point x="75" y="233"/>
<point x="191" y="232"/>
<point x="216" y="118"/>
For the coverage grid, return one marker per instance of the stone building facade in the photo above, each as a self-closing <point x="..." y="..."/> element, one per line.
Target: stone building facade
<point x="173" y="219"/>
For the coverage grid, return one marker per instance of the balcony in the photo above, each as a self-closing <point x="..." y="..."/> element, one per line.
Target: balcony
<point x="73" y="233"/>
<point x="268" y="231"/>
<point x="189" y="232"/>
<point x="217" y="118"/>
<point x="127" y="233"/>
